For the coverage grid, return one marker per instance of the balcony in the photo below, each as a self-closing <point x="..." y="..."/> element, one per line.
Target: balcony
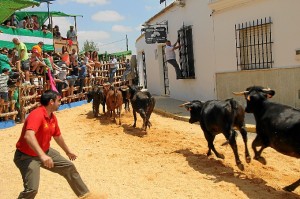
<point x="218" y="5"/>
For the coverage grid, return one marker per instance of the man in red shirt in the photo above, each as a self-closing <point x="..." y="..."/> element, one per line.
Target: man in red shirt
<point x="34" y="151"/>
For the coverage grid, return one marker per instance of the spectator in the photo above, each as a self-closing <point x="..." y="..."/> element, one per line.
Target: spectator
<point x="13" y="58"/>
<point x="3" y="84"/>
<point x="45" y="29"/>
<point x="36" y="61"/>
<point x="4" y="60"/>
<point x="23" y="58"/>
<point x="127" y="70"/>
<point x="64" y="55"/>
<point x="15" y="97"/>
<point x="35" y="22"/>
<point x="81" y="76"/>
<point x="73" y="56"/>
<point x="113" y="66"/>
<point x="89" y="63"/>
<point x="14" y="21"/>
<point x="8" y="24"/>
<point x="95" y="58"/>
<point x="62" y="77"/>
<point x="56" y="33"/>
<point x="74" y="71"/>
<point x="24" y="23"/>
<point x="71" y="34"/>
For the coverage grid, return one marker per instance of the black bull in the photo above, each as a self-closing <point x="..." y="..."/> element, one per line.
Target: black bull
<point x="98" y="98"/>
<point x="277" y="125"/>
<point x="217" y="116"/>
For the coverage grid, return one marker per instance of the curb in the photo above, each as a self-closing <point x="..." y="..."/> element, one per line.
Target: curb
<point x="250" y="128"/>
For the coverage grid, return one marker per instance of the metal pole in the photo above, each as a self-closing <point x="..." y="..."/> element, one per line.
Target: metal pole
<point x="126" y="42"/>
<point x="49" y="13"/>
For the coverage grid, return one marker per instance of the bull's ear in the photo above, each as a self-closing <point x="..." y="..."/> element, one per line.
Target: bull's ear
<point x="271" y="93"/>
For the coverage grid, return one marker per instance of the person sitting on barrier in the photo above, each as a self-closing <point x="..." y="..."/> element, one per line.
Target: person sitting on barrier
<point x="13" y="58"/>
<point x="64" y="55"/>
<point x="73" y="76"/>
<point x="36" y="61"/>
<point x="23" y="58"/>
<point x="4" y="77"/>
<point x="82" y="75"/>
<point x="4" y="60"/>
<point x="62" y="82"/>
<point x="89" y="63"/>
<point x="73" y="56"/>
<point x="15" y="97"/>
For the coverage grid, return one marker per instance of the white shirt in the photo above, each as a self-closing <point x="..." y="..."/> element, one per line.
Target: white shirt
<point x="114" y="63"/>
<point x="170" y="53"/>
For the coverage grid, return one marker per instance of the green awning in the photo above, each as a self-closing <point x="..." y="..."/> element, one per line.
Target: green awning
<point x="8" y="7"/>
<point x="43" y="15"/>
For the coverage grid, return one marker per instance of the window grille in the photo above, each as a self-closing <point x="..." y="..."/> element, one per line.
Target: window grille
<point x="144" y="69"/>
<point x="254" y="45"/>
<point x="186" y="54"/>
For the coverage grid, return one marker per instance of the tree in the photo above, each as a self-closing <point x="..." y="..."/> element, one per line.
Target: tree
<point x="90" y="46"/>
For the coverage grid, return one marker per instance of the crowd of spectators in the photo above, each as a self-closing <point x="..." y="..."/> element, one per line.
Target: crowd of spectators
<point x="32" y="23"/>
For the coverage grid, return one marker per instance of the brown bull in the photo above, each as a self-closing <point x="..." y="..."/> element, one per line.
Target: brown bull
<point x="114" y="100"/>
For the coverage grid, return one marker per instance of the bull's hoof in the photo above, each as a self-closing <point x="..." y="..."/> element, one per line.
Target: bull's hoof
<point x="221" y="156"/>
<point x="261" y="160"/>
<point x="248" y="159"/>
<point x="241" y="166"/>
<point x="289" y="188"/>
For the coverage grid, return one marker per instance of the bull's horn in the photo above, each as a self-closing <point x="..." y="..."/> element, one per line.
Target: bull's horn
<point x="240" y="93"/>
<point x="182" y="105"/>
<point x="266" y="89"/>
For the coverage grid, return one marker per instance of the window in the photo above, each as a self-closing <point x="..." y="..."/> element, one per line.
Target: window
<point x="186" y="54"/>
<point x="254" y="45"/>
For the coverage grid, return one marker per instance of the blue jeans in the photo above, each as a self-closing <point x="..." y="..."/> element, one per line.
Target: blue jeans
<point x="126" y="72"/>
<point x="112" y="72"/>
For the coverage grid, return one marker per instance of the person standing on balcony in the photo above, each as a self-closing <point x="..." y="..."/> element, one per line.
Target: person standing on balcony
<point x="71" y="34"/>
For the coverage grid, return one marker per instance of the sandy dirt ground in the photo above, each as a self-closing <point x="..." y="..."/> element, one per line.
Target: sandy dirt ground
<point x="169" y="162"/>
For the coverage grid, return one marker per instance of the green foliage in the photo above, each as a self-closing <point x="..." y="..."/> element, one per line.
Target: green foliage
<point x="90" y="46"/>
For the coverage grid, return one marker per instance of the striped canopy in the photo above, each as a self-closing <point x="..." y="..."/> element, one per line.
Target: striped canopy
<point x="29" y="37"/>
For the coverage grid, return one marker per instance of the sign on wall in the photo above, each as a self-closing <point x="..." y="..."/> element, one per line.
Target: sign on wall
<point x="153" y="35"/>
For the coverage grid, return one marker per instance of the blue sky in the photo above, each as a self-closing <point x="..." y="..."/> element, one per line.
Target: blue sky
<point x="106" y="22"/>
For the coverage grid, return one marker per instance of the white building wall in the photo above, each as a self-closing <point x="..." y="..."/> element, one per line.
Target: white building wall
<point x="214" y="42"/>
<point x="197" y="14"/>
<point x="285" y="31"/>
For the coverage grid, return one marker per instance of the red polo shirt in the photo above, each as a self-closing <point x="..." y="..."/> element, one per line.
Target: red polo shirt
<point x="44" y="128"/>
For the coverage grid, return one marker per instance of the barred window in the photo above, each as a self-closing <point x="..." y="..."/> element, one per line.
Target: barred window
<point x="186" y="54"/>
<point x="254" y="45"/>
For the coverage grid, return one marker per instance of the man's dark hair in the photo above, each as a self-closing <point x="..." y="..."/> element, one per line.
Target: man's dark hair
<point x="47" y="96"/>
<point x="4" y="48"/>
<point x="4" y="70"/>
